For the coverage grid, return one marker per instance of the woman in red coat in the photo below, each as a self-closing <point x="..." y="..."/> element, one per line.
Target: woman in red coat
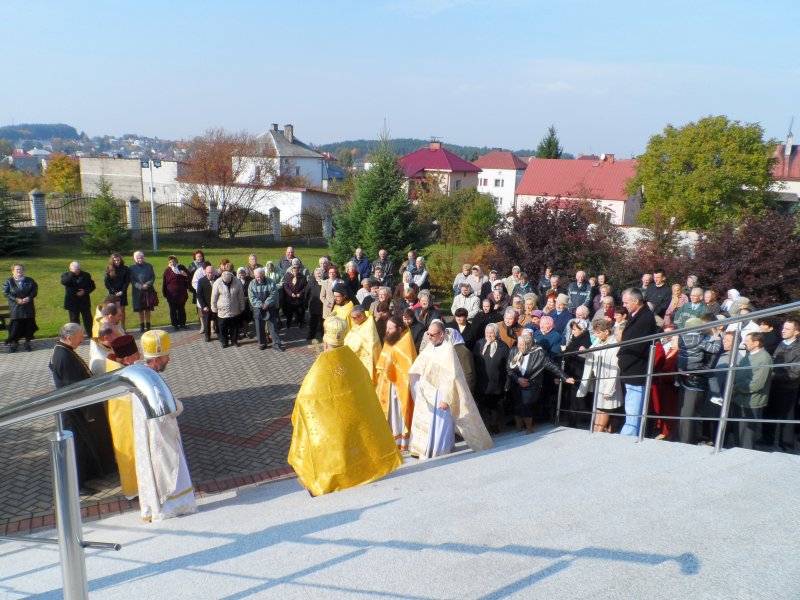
<point x="175" y="288"/>
<point x="665" y="394"/>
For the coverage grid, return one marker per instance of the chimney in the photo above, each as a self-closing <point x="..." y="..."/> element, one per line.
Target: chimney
<point x="435" y="146"/>
<point x="288" y="132"/>
<point x="789" y="143"/>
<point x="607" y="158"/>
<point x="274" y="127"/>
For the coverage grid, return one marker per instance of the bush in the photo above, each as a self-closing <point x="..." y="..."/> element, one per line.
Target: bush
<point x="107" y="232"/>
<point x="759" y="257"/>
<point x="480" y="220"/>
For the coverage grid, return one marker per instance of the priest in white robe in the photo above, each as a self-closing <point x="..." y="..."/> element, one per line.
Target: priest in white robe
<point x="443" y="403"/>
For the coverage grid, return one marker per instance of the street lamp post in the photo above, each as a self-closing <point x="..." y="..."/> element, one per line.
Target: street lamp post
<point x="149" y="164"/>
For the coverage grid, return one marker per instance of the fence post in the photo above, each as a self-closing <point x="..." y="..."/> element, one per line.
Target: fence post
<point x="134" y="218"/>
<point x="327" y="226"/>
<point x="275" y="220"/>
<point x="213" y="217"/>
<point x="38" y="211"/>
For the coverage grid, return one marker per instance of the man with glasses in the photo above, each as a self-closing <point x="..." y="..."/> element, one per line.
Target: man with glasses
<point x="443" y="403"/>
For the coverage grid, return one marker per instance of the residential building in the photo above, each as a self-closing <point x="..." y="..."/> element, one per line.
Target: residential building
<point x="786" y="171"/>
<point x="23" y="161"/>
<point x="500" y="174"/>
<point x="450" y="171"/>
<point x="280" y="154"/>
<point x="601" y="182"/>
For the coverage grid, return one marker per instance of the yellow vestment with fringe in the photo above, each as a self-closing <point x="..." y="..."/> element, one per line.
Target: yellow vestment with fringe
<point x="341" y="438"/>
<point x="120" y="420"/>
<point x="366" y="343"/>
<point x="392" y="370"/>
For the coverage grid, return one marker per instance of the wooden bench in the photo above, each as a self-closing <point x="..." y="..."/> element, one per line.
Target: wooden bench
<point x="5" y="317"/>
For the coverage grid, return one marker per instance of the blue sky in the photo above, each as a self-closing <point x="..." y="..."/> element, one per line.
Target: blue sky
<point x="607" y="74"/>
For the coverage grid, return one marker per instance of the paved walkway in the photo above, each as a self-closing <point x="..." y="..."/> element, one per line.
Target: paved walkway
<point x="236" y="425"/>
<point x="560" y="514"/>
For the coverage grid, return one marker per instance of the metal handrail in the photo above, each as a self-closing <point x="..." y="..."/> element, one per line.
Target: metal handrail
<point x="730" y="369"/>
<point x="759" y="314"/>
<point x="157" y="400"/>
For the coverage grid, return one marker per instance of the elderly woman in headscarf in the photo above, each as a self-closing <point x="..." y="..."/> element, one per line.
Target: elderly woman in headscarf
<point x="314" y="303"/>
<point x="490" y="356"/>
<point x="528" y="306"/>
<point x="729" y="298"/>
<point x="527" y="363"/>
<point x="678" y="299"/>
<point x="500" y="298"/>
<point x="547" y="337"/>
<point x="480" y="283"/>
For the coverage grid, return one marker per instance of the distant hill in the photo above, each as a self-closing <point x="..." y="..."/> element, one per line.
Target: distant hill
<point x="38" y="131"/>
<point x="402" y="146"/>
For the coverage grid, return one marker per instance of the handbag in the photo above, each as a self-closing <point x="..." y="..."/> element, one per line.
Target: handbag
<point x="149" y="299"/>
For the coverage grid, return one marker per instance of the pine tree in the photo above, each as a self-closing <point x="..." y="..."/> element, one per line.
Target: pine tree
<point x="13" y="239"/>
<point x="549" y="147"/>
<point x="107" y="232"/>
<point x="378" y="215"/>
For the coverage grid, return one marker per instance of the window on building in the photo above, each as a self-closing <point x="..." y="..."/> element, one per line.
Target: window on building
<point x="498" y="183"/>
<point x="457" y="184"/>
<point x="297" y="171"/>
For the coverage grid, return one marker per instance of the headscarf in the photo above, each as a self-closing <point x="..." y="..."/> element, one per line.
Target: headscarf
<point x="525" y="339"/>
<point x="491" y="346"/>
<point x="546" y="325"/>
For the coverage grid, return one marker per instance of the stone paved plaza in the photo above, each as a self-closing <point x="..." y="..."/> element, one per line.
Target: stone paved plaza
<point x="236" y="424"/>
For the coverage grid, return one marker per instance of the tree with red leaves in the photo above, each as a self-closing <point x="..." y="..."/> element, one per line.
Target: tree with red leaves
<point x="566" y="235"/>
<point x="760" y="257"/>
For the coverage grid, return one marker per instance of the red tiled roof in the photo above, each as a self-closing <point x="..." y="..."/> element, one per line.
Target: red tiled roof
<point x="434" y="159"/>
<point x="787" y="167"/>
<point x="500" y="160"/>
<point x="604" y="180"/>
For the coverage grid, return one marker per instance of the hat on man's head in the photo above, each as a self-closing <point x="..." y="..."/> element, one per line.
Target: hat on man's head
<point x="562" y="299"/>
<point x="340" y="288"/>
<point x="335" y="331"/>
<point x="124" y="346"/>
<point x="537" y="313"/>
<point x="155" y="343"/>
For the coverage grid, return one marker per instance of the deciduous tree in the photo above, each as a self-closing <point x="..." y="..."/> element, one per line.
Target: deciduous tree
<point x="705" y="172"/>
<point x="760" y="257"/>
<point x="566" y="235"/>
<point x="480" y="221"/>
<point x="63" y="175"/>
<point x="233" y="185"/>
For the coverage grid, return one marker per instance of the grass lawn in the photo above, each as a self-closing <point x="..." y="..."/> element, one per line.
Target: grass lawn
<point x="51" y="260"/>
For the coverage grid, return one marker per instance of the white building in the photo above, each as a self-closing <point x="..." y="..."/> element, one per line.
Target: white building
<point x="786" y="171"/>
<point x="499" y="177"/>
<point x="280" y="155"/>
<point x="128" y="177"/>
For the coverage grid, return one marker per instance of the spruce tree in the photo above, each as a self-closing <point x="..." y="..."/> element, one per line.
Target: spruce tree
<point x="13" y="239"/>
<point x="549" y="147"/>
<point x="378" y="215"/>
<point x="106" y="229"/>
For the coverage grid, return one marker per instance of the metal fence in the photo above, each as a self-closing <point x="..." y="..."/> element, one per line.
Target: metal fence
<point x="71" y="214"/>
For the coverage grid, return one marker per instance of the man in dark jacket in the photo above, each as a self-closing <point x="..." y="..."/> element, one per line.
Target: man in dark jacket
<point x="783" y="393"/>
<point x="579" y="292"/>
<point x="78" y="285"/>
<point x="94" y="450"/>
<point x="659" y="294"/>
<point x="632" y="359"/>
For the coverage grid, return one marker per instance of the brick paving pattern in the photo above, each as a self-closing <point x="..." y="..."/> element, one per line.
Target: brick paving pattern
<point x="236" y="424"/>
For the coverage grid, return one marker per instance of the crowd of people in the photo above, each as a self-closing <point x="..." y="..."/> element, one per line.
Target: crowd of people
<point x="512" y="350"/>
